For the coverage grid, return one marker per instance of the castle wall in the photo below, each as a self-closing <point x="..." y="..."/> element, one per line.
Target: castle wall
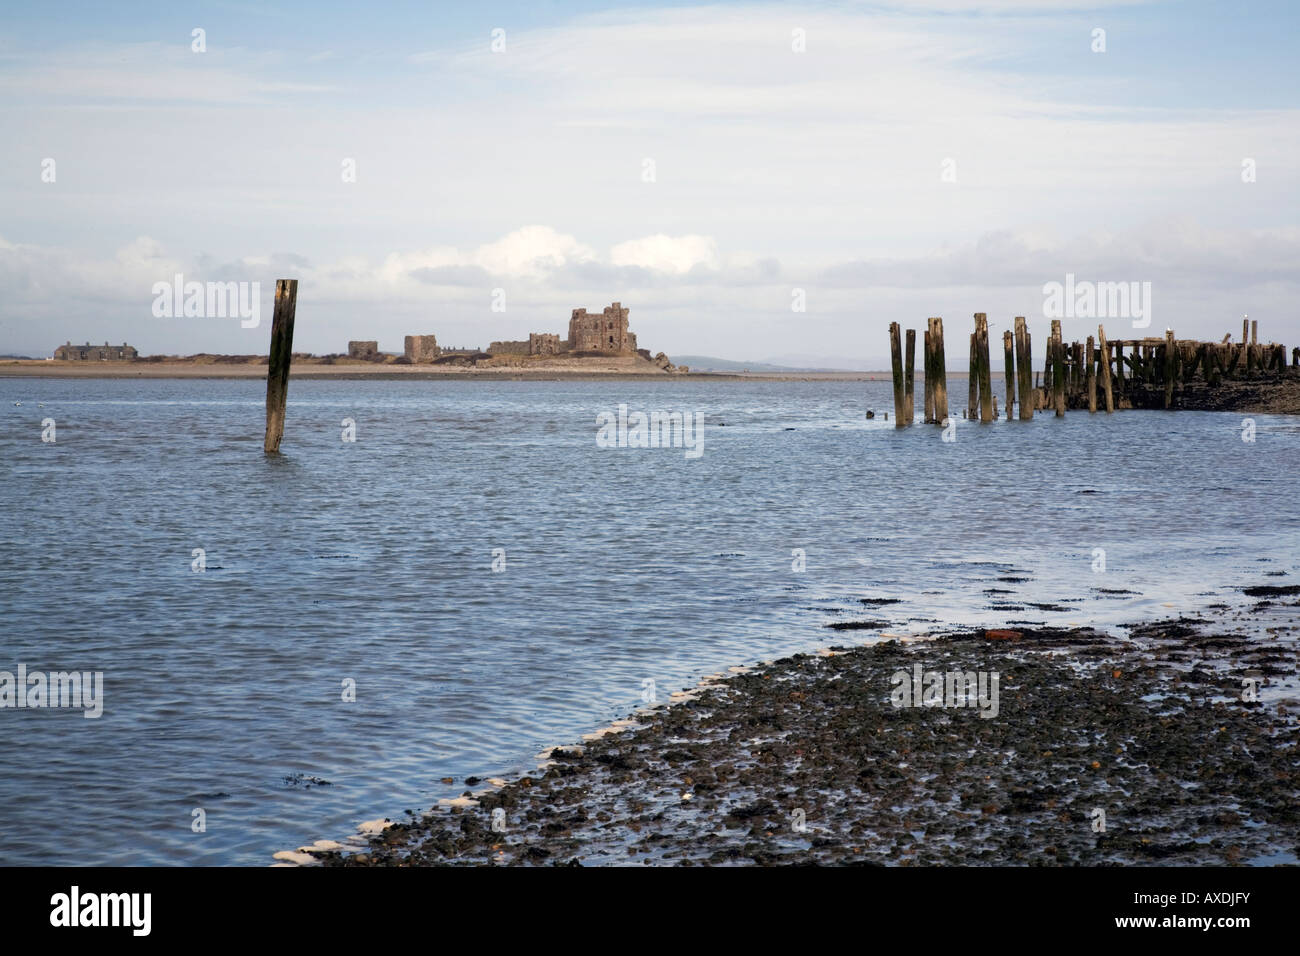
<point x="422" y="349"/>
<point x="544" y="343"/>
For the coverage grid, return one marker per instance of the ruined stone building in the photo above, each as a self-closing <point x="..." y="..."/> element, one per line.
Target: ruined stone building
<point x="606" y="332"/>
<point x="545" y="343"/>
<point x="363" y="350"/>
<point x="421" y="349"/>
<point x="96" y="353"/>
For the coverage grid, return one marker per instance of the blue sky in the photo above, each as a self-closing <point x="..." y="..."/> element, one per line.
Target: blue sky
<point x="524" y="169"/>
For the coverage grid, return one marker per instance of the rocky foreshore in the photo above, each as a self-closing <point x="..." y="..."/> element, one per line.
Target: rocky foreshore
<point x="1172" y="743"/>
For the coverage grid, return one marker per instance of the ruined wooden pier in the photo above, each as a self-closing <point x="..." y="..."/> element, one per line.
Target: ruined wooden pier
<point x="1097" y="374"/>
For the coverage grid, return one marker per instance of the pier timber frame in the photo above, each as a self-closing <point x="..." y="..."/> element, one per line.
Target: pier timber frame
<point x="1099" y="374"/>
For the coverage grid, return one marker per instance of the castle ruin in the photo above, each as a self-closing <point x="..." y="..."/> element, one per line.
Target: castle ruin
<point x="606" y="332"/>
<point x="603" y="333"/>
<point x="421" y="349"/>
<point x="545" y="343"/>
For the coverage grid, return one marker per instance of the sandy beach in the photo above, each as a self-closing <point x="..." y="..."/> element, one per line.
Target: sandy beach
<point x="558" y="371"/>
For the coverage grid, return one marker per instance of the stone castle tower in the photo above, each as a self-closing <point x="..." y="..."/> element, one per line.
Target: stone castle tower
<point x="606" y="332"/>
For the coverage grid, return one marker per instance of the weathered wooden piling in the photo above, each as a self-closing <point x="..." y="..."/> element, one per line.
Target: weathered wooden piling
<point x="909" y="376"/>
<point x="896" y="360"/>
<point x="987" y="414"/>
<point x="929" y="378"/>
<point x="1057" y="349"/>
<point x="1149" y="372"/>
<point x="1009" y="364"/>
<point x="940" y="370"/>
<point x="1025" y="368"/>
<point x="1091" y="359"/>
<point x="1234" y="358"/>
<point x="277" y="369"/>
<point x="1105" y="369"/>
<point x="973" y="380"/>
<point x="1209" y="354"/>
<point x="1170" y="367"/>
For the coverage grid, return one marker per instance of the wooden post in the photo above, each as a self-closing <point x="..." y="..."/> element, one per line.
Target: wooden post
<point x="1254" y="331"/>
<point x="972" y="381"/>
<point x="1025" y="368"/>
<point x="1080" y="372"/>
<point x="929" y="378"/>
<point x="1091" y="376"/>
<point x="277" y="368"/>
<point x="896" y="359"/>
<point x="1171" y="367"/>
<point x="909" y="376"/>
<point x="987" y="414"/>
<point x="940" y="371"/>
<point x="1009" y="363"/>
<point x="1105" y="369"/>
<point x="1295" y="355"/>
<point x="1058" y="369"/>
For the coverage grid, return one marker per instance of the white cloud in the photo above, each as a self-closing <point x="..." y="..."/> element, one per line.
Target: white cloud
<point x="675" y="255"/>
<point x="151" y="73"/>
<point x="1199" y="276"/>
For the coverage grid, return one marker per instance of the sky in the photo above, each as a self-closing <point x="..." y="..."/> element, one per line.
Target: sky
<point x="753" y="181"/>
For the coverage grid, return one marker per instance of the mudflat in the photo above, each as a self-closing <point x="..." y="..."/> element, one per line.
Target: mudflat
<point x="1075" y="747"/>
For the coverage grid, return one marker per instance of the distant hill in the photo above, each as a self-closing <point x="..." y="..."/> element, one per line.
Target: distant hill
<point x="707" y="363"/>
